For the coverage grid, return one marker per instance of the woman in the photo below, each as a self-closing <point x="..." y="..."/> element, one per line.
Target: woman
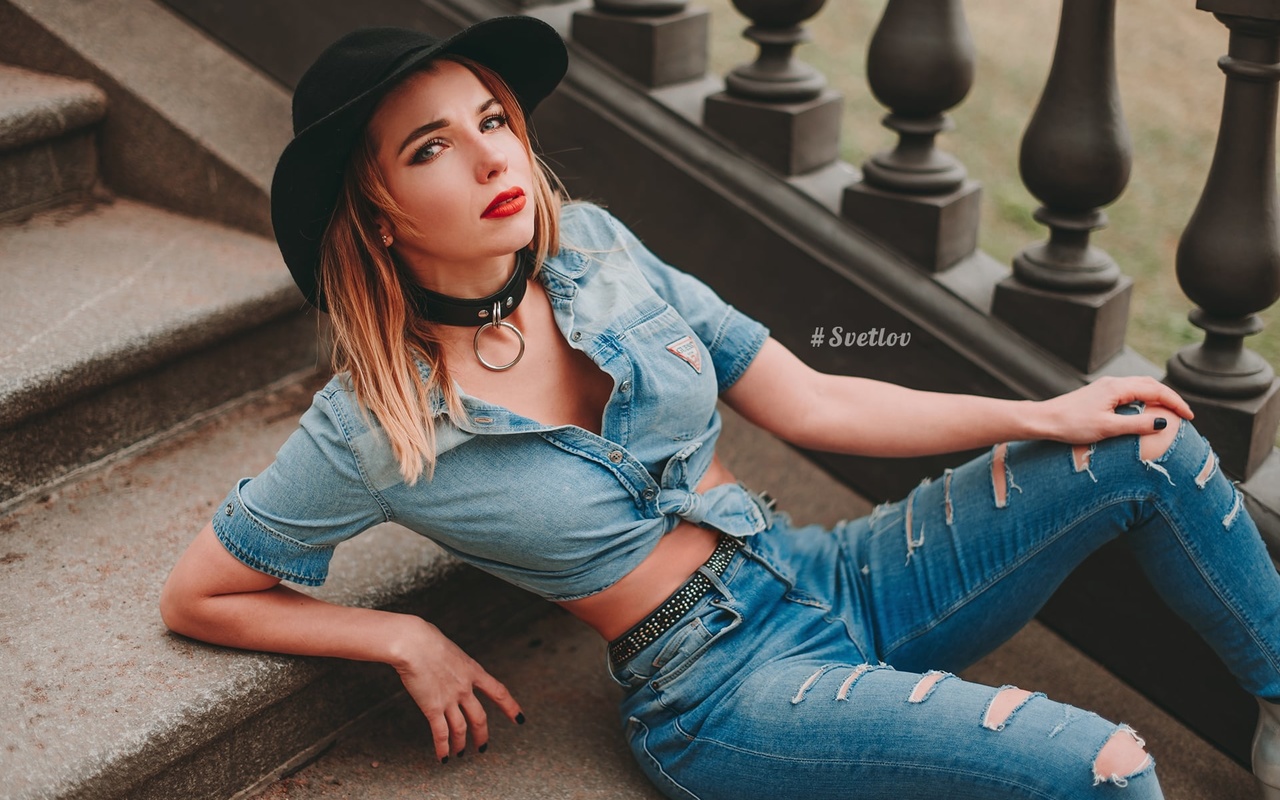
<point x="548" y="413"/>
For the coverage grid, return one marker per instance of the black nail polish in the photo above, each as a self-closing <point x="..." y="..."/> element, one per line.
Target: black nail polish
<point x="482" y="747"/>
<point x="520" y="719"/>
<point x="461" y="753"/>
<point x="444" y="760"/>
<point x="1161" y="422"/>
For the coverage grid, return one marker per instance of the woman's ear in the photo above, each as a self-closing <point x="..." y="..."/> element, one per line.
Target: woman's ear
<point x="384" y="231"/>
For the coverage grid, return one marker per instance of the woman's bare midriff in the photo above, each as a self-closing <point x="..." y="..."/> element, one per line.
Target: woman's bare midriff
<point x="677" y="556"/>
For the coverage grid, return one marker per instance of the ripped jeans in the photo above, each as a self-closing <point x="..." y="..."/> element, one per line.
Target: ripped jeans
<point x="820" y="664"/>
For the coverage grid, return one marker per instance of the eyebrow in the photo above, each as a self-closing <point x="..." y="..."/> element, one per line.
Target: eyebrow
<point x="423" y="130"/>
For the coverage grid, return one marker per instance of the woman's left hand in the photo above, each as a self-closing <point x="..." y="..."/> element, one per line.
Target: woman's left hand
<point x="1089" y="413"/>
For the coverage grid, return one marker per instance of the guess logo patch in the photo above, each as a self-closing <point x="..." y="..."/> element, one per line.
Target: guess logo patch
<point x="687" y="351"/>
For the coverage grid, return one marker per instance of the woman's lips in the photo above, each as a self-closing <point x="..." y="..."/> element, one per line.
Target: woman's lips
<point x="505" y="204"/>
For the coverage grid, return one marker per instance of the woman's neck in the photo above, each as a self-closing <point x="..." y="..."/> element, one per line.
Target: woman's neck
<point x="471" y="279"/>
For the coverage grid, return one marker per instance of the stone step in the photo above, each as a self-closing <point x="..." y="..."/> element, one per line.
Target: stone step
<point x="100" y="701"/>
<point x="48" y="153"/>
<point x="121" y="320"/>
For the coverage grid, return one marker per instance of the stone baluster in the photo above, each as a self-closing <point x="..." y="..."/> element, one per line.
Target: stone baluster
<point x="1066" y="294"/>
<point x="916" y="197"/>
<point x="1228" y="260"/>
<point x="655" y="42"/>
<point x="778" y="108"/>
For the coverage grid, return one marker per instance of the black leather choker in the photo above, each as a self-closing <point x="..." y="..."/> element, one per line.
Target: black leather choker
<point x="470" y="312"/>
<point x="481" y="313"/>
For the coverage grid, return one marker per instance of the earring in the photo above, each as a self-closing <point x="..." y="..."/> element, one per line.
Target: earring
<point x="386" y="240"/>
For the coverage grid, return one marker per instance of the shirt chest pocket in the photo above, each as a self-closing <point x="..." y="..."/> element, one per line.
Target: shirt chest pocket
<point x="675" y="382"/>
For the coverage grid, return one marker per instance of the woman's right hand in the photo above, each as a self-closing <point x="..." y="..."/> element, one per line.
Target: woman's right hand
<point x="443" y="680"/>
<point x="210" y="595"/>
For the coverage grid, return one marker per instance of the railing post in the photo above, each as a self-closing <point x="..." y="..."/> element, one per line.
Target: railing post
<point x="655" y="42"/>
<point x="1065" y="294"/>
<point x="778" y="108"/>
<point x="1228" y="260"/>
<point x="915" y="197"/>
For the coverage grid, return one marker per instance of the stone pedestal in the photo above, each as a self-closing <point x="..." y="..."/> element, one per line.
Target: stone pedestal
<point x="1084" y="329"/>
<point x="1242" y="432"/>
<point x="654" y="50"/>
<point x="933" y="231"/>
<point x="791" y="138"/>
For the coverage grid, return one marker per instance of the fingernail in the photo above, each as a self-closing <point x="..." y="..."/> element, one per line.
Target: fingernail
<point x="483" y="747"/>
<point x="520" y="719"/>
<point x="1161" y="422"/>
<point x="444" y="760"/>
<point x="461" y="753"/>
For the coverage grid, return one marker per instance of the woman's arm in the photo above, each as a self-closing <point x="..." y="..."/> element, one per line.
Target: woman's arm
<point x="781" y="394"/>
<point x="213" y="597"/>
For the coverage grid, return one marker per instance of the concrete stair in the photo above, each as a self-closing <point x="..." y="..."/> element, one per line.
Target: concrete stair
<point x="118" y="319"/>
<point x="121" y="320"/>
<point x="48" y="155"/>
<point x="100" y="701"/>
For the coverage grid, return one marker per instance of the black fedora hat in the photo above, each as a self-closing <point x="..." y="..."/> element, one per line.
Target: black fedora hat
<point x="337" y="94"/>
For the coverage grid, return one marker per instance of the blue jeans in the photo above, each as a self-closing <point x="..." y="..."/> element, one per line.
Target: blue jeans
<point x="820" y="665"/>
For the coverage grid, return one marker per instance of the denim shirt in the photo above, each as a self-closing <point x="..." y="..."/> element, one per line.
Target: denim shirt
<point x="557" y="510"/>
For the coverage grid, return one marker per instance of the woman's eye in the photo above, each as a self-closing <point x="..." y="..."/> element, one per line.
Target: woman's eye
<point x="493" y="122"/>
<point x="427" y="151"/>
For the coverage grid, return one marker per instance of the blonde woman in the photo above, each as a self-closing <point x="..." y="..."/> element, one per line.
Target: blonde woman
<point x="530" y="387"/>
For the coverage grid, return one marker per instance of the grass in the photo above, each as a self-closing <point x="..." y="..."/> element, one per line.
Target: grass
<point x="1171" y="91"/>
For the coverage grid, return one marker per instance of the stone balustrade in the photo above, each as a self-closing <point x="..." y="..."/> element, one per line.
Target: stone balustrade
<point x="1064" y="293"/>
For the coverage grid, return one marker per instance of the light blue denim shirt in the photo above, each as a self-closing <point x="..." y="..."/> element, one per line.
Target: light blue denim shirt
<point x="556" y="510"/>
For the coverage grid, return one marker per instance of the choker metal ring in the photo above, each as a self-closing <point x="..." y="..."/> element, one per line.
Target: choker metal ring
<point x="496" y="321"/>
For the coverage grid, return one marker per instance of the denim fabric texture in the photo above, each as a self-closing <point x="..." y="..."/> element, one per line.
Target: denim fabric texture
<point x="500" y="496"/>
<point x="821" y="666"/>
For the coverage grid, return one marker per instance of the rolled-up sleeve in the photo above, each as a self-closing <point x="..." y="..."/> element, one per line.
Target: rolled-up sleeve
<point x="287" y="521"/>
<point x="731" y="337"/>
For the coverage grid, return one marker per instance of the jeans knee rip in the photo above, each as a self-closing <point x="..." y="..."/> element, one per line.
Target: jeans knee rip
<point x="1235" y="507"/>
<point x="913" y="541"/>
<point x="846" y="685"/>
<point x="994" y="718"/>
<point x="1145" y="765"/>
<point x="1150" y="464"/>
<point x="1001" y="483"/>
<point x="946" y="492"/>
<point x="1082" y="459"/>
<point x="1206" y="471"/>
<point x="810" y="681"/>
<point x="928" y="682"/>
<point x="1070" y="714"/>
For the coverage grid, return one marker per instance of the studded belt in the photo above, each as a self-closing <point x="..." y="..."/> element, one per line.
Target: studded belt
<point x="646" y="631"/>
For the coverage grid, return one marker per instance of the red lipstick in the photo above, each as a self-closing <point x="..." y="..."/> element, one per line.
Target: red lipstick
<point x="505" y="204"/>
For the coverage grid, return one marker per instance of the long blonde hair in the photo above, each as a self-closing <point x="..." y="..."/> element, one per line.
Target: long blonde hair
<point x="379" y="335"/>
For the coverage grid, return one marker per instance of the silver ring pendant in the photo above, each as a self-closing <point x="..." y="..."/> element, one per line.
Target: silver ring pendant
<point x="496" y="321"/>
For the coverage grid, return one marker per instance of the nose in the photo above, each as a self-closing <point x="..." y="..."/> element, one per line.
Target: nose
<point x="491" y="160"/>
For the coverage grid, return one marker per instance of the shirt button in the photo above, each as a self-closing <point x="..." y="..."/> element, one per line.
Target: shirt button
<point x="615" y="456"/>
<point x="576" y="335"/>
<point x="649" y="494"/>
<point x="230" y="510"/>
<point x="626" y="386"/>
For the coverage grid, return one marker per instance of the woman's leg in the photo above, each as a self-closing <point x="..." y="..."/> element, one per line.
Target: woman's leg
<point x="964" y="561"/>
<point x="763" y="693"/>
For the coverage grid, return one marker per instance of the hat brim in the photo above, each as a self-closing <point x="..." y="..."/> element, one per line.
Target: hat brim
<point x="525" y="52"/>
